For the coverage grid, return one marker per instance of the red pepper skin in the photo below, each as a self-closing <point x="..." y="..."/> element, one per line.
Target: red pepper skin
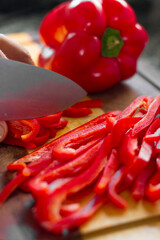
<point x="50" y="120"/>
<point x="12" y="185"/>
<point x="145" y="154"/>
<point x="51" y="217"/>
<point x="153" y="188"/>
<point x="71" y="145"/>
<point x="76" y="112"/>
<point x="113" y="188"/>
<point x="18" y="142"/>
<point x="45" y="152"/>
<point x="42" y="137"/>
<point x="61" y="124"/>
<point x="158" y="162"/>
<point x="26" y="130"/>
<point x="142" y="101"/>
<point x="128" y="148"/>
<point x="149" y="117"/>
<point x="142" y="179"/>
<point x="110" y="168"/>
<point x="120" y="127"/>
<point x="74" y="29"/>
<point x="89" y="104"/>
<point x="67" y="170"/>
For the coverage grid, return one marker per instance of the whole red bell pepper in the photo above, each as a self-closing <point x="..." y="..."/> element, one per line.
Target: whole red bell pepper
<point x="96" y="43"/>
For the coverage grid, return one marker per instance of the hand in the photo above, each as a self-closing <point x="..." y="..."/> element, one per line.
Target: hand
<point x="14" y="51"/>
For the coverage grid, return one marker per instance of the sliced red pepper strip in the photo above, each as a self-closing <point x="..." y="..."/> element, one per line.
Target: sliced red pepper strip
<point x="18" y="142"/>
<point x="120" y="127"/>
<point x="42" y="137"/>
<point x="73" y="112"/>
<point x="153" y="188"/>
<point x="51" y="216"/>
<point x="49" y="120"/>
<point x="158" y="147"/>
<point x="142" y="179"/>
<point x="69" y="209"/>
<point x="110" y="168"/>
<point x="61" y="124"/>
<point x="155" y="136"/>
<point x="149" y="117"/>
<point x="74" y="143"/>
<point x="89" y="104"/>
<point x="34" y="125"/>
<point x="69" y="169"/>
<point x="158" y="162"/>
<point x="128" y="148"/>
<point x="142" y="101"/>
<point x="12" y="185"/>
<point x="78" y="218"/>
<point x="113" y="188"/>
<point x="26" y="130"/>
<point x="144" y="155"/>
<point x="45" y="152"/>
<point x="52" y="132"/>
<point x="141" y="113"/>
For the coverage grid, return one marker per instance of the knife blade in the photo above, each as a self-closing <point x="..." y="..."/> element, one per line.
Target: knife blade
<point x="27" y="91"/>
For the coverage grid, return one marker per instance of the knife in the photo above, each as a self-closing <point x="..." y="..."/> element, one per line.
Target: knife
<point x="27" y="91"/>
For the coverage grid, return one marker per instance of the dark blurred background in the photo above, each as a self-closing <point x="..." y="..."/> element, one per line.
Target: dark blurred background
<point x="21" y="15"/>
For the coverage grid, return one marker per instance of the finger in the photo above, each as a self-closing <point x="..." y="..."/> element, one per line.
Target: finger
<point x="14" y="50"/>
<point x="2" y="55"/>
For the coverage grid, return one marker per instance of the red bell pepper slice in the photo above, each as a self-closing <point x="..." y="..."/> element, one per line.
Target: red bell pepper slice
<point x="69" y="209"/>
<point x="120" y="127"/>
<point x="149" y="117"/>
<point x="142" y="179"/>
<point x="128" y="148"/>
<point x="18" y="142"/>
<point x="158" y="162"/>
<point x="45" y="152"/>
<point x="114" y="187"/>
<point x="42" y="137"/>
<point x="89" y="104"/>
<point x="61" y="124"/>
<point x="142" y="101"/>
<point x="76" y="112"/>
<point x="26" y="130"/>
<point x="110" y="168"/>
<point x="12" y="185"/>
<point x="51" y="216"/>
<point x="68" y="146"/>
<point x="153" y="188"/>
<point x="144" y="155"/>
<point x="49" y="120"/>
<point x="69" y="169"/>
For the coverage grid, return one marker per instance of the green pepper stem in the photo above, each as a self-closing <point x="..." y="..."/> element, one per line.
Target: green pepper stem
<point x="112" y="43"/>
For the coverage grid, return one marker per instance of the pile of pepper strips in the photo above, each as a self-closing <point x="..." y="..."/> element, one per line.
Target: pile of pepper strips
<point x="35" y="132"/>
<point x="114" y="152"/>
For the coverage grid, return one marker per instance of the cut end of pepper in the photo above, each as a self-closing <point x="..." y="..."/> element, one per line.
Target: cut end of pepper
<point x="111" y="43"/>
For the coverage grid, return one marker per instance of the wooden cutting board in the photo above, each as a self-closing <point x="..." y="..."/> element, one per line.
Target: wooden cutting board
<point x="16" y="220"/>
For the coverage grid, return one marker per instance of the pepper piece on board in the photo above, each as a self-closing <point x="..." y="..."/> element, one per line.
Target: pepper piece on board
<point x="114" y="188"/>
<point x="76" y="112"/>
<point x="110" y="168"/>
<point x="142" y="180"/>
<point x="51" y="217"/>
<point x="145" y="154"/>
<point x="153" y="188"/>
